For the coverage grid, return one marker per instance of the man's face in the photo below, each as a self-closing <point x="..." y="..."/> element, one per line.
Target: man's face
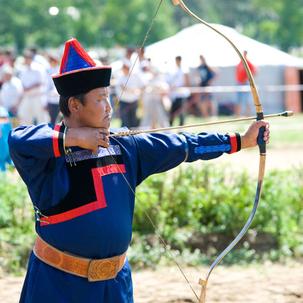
<point x="96" y="111"/>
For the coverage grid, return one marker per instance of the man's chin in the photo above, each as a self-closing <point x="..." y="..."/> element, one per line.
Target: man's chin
<point x="100" y="125"/>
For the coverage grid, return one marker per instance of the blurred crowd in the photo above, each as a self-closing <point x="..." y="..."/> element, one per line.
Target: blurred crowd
<point x="141" y="96"/>
<point x="147" y="98"/>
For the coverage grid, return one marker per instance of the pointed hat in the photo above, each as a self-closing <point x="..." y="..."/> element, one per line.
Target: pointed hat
<point x="78" y="72"/>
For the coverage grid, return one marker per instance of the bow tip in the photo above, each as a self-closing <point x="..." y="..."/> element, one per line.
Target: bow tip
<point x="202" y="298"/>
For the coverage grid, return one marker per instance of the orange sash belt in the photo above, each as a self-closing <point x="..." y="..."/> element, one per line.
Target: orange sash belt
<point x="92" y="269"/>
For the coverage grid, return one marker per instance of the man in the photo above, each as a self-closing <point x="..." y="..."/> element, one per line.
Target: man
<point x="243" y="101"/>
<point x="207" y="75"/>
<point x="33" y="104"/>
<point x="52" y="94"/>
<point x="177" y="80"/>
<point x="129" y="90"/>
<point x="11" y="91"/>
<point x="82" y="182"/>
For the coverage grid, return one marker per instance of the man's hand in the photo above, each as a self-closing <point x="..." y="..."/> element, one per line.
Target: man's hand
<point x="249" y="139"/>
<point x="87" y="137"/>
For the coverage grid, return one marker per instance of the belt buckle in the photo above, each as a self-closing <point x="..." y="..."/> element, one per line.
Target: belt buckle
<point x="101" y="270"/>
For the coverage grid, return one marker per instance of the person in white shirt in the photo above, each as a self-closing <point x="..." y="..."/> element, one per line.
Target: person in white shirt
<point x="155" y="94"/>
<point x="176" y="80"/>
<point x="52" y="94"/>
<point x="11" y="90"/>
<point x="129" y="91"/>
<point x="33" y="105"/>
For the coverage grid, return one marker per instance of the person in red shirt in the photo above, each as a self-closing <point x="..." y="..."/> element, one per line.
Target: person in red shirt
<point x="243" y="102"/>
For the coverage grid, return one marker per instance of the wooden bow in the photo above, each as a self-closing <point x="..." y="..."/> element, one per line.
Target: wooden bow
<point x="261" y="144"/>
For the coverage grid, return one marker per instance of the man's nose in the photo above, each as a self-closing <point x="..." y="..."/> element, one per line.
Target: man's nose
<point x="108" y="106"/>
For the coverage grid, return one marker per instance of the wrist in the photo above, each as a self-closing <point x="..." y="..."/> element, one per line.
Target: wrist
<point x="72" y="137"/>
<point x="246" y="141"/>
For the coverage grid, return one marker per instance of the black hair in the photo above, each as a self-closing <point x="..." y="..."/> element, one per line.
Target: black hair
<point x="63" y="103"/>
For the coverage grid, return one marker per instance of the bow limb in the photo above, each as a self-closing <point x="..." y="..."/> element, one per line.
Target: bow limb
<point x="260" y="141"/>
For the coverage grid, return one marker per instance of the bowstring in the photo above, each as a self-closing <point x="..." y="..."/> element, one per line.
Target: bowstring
<point x="164" y="243"/>
<point x="158" y="234"/>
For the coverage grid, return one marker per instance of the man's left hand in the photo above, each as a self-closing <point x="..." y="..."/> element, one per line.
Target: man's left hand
<point x="249" y="139"/>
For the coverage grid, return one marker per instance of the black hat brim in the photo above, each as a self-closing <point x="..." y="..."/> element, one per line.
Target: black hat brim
<point x="82" y="81"/>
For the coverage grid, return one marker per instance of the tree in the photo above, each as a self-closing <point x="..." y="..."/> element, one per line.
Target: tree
<point x="109" y="22"/>
<point x="126" y="23"/>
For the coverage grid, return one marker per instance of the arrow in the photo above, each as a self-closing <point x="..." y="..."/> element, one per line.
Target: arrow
<point x="163" y="129"/>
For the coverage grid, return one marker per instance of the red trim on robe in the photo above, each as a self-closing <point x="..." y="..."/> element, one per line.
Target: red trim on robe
<point x="97" y="173"/>
<point x="233" y="143"/>
<point x="56" y="141"/>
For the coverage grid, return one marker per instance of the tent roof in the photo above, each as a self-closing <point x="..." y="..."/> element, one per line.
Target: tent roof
<point x="195" y="40"/>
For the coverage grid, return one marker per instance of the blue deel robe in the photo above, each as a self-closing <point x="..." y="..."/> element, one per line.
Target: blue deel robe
<point x="85" y="207"/>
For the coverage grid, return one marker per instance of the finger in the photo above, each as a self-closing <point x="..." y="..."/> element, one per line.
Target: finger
<point x="95" y="150"/>
<point x="261" y="123"/>
<point x="104" y="131"/>
<point x="266" y="136"/>
<point x="103" y="140"/>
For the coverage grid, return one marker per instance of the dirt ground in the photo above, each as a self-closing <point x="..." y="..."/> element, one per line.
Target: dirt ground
<point x="265" y="283"/>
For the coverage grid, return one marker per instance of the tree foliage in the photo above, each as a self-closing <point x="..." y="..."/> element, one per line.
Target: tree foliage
<point x="110" y="22"/>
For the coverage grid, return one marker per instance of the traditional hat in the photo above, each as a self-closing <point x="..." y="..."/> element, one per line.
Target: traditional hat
<point x="78" y="72"/>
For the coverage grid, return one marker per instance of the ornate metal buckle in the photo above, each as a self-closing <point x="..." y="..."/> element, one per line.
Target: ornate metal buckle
<point x="101" y="270"/>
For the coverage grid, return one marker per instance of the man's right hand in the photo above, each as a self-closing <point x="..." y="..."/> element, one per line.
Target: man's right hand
<point x="87" y="137"/>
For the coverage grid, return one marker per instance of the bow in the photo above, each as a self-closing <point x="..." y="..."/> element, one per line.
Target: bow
<point x="260" y="141"/>
<point x="261" y="144"/>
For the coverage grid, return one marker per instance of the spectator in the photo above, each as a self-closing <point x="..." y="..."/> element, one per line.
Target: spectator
<point x="11" y="91"/>
<point x="207" y="75"/>
<point x="129" y="57"/>
<point x="40" y="59"/>
<point x="155" y="93"/>
<point x="33" y="104"/>
<point x="129" y="91"/>
<point x="243" y="102"/>
<point x="6" y="58"/>
<point x="176" y="80"/>
<point x="143" y="61"/>
<point x="52" y="94"/>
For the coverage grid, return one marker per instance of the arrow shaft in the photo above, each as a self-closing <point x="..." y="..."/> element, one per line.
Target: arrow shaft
<point x="163" y="129"/>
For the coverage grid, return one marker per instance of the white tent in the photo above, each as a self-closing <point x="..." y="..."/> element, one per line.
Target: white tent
<point x="273" y="65"/>
<point x="195" y="40"/>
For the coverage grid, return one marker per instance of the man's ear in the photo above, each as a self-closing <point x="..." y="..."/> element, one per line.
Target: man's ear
<point x="74" y="105"/>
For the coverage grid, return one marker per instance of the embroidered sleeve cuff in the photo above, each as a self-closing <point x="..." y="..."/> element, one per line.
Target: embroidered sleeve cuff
<point x="235" y="142"/>
<point x="58" y="140"/>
